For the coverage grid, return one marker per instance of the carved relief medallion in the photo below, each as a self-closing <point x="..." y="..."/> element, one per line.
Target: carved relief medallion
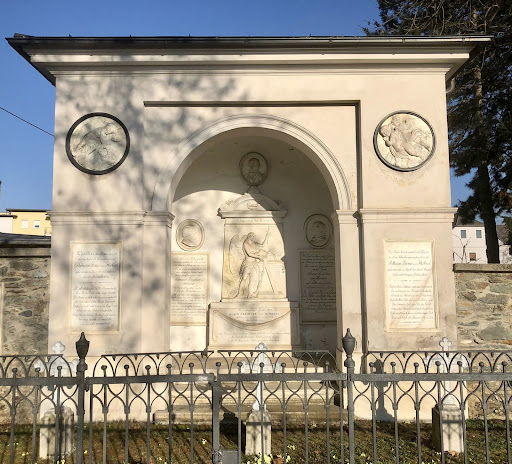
<point x="318" y="230"/>
<point x="404" y="141"/>
<point x="253" y="169"/>
<point x="190" y="235"/>
<point x="97" y="143"/>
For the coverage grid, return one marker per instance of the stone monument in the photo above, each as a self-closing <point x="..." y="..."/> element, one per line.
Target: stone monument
<point x="258" y="426"/>
<point x="57" y="423"/>
<point x="254" y="307"/>
<point x="447" y="416"/>
<point x="342" y="133"/>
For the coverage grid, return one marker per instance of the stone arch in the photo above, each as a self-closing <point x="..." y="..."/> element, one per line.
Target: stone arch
<point x="179" y="160"/>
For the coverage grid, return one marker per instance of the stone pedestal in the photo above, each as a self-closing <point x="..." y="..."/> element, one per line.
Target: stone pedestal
<point x="66" y="433"/>
<point x="258" y="424"/>
<point x="452" y="429"/>
<point x="242" y="324"/>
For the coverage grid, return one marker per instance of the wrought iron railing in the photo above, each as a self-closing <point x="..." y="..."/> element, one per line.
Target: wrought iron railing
<point x="235" y="406"/>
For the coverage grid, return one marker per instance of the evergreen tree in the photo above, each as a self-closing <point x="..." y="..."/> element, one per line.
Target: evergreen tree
<point x="480" y="106"/>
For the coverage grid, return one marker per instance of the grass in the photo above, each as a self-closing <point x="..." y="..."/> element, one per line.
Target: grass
<point x="295" y="444"/>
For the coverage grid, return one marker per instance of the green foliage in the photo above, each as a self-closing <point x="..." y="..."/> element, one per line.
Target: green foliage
<point x="480" y="106"/>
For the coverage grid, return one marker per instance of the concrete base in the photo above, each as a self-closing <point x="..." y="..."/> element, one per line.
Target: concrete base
<point x="452" y="429"/>
<point x="66" y="433"/>
<point x="254" y="428"/>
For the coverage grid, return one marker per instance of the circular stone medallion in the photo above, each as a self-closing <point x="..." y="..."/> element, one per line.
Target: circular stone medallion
<point x="253" y="169"/>
<point x="404" y="141"/>
<point x="190" y="235"/>
<point x="318" y="230"/>
<point x="97" y="143"/>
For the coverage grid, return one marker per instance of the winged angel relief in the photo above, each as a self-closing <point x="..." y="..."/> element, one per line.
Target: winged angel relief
<point x="408" y="139"/>
<point x="247" y="259"/>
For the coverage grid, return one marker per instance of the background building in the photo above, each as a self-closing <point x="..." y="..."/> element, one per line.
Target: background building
<point x="6" y="223"/>
<point x="30" y="221"/>
<point x="469" y="242"/>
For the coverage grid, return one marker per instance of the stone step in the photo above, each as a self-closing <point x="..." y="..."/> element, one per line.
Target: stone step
<point x="295" y="411"/>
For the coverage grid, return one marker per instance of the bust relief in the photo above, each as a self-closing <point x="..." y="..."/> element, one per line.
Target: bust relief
<point x="318" y="230"/>
<point x="190" y="235"/>
<point x="253" y="169"/>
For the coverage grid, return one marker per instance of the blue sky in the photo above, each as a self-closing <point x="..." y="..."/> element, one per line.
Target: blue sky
<point x="26" y="153"/>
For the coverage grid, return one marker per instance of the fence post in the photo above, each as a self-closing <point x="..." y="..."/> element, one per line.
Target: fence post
<point x="216" y="400"/>
<point x="349" y="344"/>
<point x="82" y="347"/>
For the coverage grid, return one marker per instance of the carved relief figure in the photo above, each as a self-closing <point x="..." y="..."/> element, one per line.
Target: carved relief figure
<point x="406" y="141"/>
<point x="95" y="148"/>
<point x="253" y="168"/>
<point x="318" y="230"/>
<point x="190" y="235"/>
<point x="247" y="258"/>
<point x="319" y="233"/>
<point x="97" y="143"/>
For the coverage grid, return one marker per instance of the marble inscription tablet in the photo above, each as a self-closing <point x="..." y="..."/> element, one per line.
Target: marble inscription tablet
<point x="317" y="286"/>
<point x="404" y="141"/>
<point x="410" y="286"/>
<point x="242" y="325"/>
<point x="97" y="143"/>
<point x="189" y="288"/>
<point x="95" y="278"/>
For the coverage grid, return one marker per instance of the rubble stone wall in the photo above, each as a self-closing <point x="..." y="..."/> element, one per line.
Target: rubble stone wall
<point x="484" y="305"/>
<point x="24" y="299"/>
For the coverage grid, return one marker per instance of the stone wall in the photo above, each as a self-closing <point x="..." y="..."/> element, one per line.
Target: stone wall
<point x="24" y="295"/>
<point x="484" y="305"/>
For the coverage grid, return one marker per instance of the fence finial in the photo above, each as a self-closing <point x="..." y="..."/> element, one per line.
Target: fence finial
<point x="82" y="347"/>
<point x="349" y="344"/>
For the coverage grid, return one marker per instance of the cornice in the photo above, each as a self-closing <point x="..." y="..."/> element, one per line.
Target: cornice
<point x="54" y="55"/>
<point x="407" y="215"/>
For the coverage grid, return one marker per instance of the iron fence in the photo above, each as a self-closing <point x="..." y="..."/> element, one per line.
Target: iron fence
<point x="257" y="406"/>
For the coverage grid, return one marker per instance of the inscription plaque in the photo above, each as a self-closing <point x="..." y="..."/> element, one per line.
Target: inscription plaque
<point x="239" y="325"/>
<point x="318" y="286"/>
<point x="95" y="277"/>
<point x="410" y="300"/>
<point x="189" y="288"/>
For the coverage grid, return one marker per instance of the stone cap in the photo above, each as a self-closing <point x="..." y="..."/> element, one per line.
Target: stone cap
<point x="18" y="245"/>
<point x="13" y="240"/>
<point x="465" y="267"/>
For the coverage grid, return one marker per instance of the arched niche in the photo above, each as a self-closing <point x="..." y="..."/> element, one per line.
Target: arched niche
<point x="271" y="126"/>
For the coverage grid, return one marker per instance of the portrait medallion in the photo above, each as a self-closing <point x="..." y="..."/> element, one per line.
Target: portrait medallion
<point x="318" y="230"/>
<point x="253" y="169"/>
<point x="190" y="235"/>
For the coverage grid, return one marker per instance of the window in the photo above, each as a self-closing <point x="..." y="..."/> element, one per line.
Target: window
<point x="37" y="224"/>
<point x="24" y="224"/>
<point x="472" y="257"/>
<point x="463" y="233"/>
<point x="478" y="233"/>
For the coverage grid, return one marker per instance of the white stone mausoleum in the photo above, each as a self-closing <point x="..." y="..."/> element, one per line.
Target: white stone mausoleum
<point x="214" y="193"/>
